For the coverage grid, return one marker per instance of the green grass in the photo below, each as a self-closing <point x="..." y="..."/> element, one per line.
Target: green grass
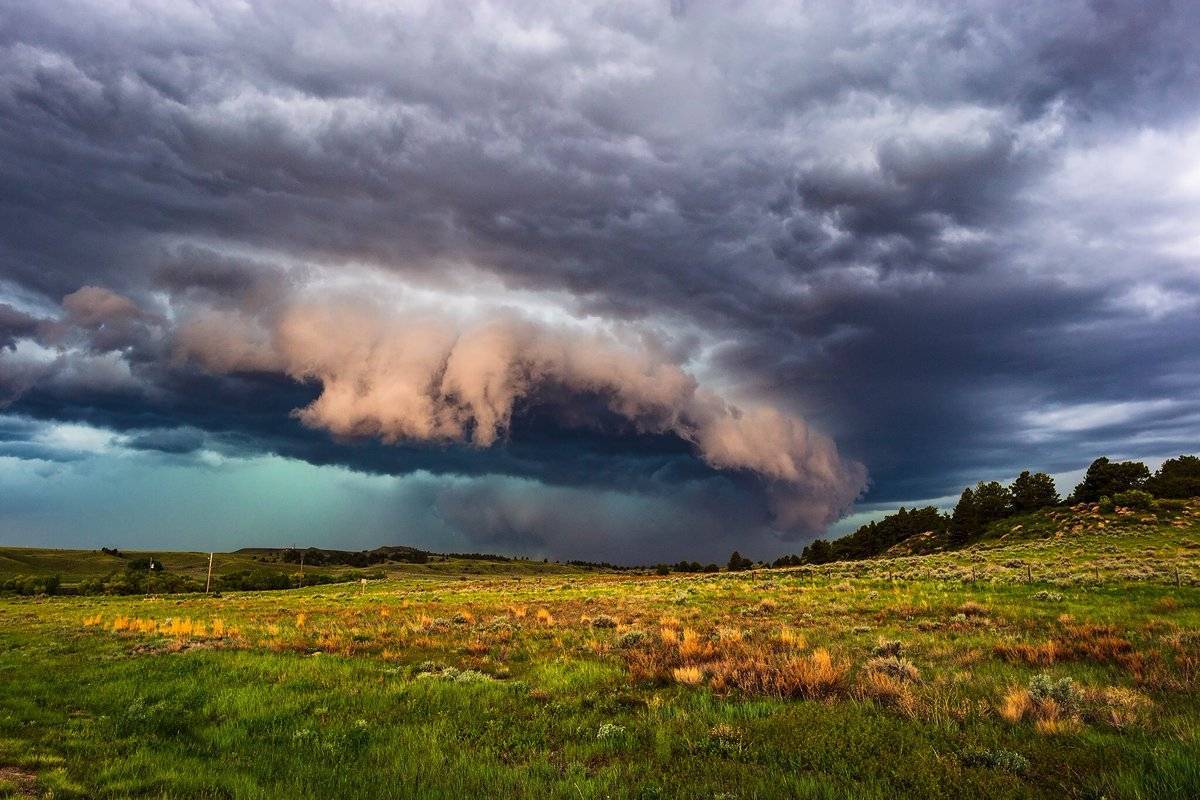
<point x="74" y="566"/>
<point x="324" y="692"/>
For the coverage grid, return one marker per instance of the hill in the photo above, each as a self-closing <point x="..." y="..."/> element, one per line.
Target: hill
<point x="74" y="568"/>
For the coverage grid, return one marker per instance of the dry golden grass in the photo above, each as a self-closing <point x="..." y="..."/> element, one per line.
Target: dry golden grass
<point x="693" y="648"/>
<point x="1052" y="720"/>
<point x="1016" y="703"/>
<point x="1043" y="654"/>
<point x="1118" y="707"/>
<point x="813" y="676"/>
<point x="730" y="636"/>
<point x="973" y="609"/>
<point x="792" y="639"/>
<point x="689" y="675"/>
<point x="887" y="691"/>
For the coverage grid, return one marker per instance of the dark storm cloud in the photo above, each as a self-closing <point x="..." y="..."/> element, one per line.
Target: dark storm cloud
<point x="959" y="237"/>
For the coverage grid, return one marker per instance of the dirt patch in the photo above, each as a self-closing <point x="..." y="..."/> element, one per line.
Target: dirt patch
<point x="19" y="781"/>
<point x="174" y="646"/>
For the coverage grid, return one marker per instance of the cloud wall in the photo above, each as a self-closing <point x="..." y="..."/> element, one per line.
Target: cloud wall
<point x="417" y="374"/>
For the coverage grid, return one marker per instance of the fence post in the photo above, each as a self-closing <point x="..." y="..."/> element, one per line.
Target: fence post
<point x="208" y="583"/>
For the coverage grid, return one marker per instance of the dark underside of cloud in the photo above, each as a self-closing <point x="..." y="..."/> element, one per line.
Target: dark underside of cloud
<point x="706" y="265"/>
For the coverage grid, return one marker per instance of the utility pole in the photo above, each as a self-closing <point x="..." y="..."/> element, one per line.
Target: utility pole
<point x="208" y="583"/>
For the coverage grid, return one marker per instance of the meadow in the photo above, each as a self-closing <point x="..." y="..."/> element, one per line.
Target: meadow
<point x="1058" y="657"/>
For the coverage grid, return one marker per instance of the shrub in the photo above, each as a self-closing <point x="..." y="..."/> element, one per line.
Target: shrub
<point x="472" y="676"/>
<point x="1135" y="499"/>
<point x="1052" y="704"/>
<point x="1048" y="597"/>
<point x="603" y="621"/>
<point x="896" y="667"/>
<point x="888" y="648"/>
<point x="1063" y="692"/>
<point x="725" y="740"/>
<point x="972" y="609"/>
<point x="611" y="733"/>
<point x="998" y="759"/>
<point x="631" y="638"/>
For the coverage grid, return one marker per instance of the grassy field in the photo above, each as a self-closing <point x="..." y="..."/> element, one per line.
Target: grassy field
<point x="74" y="566"/>
<point x="1060" y="657"/>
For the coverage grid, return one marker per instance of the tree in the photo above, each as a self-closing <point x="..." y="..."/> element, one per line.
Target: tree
<point x="1105" y="478"/>
<point x="818" y="552"/>
<point x="993" y="501"/>
<point x="1176" y="478"/>
<point x="877" y="536"/>
<point x="738" y="562"/>
<point x="1033" y="491"/>
<point x="964" y="522"/>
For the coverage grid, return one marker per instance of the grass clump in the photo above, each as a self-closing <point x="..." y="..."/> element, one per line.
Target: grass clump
<point x="997" y="759"/>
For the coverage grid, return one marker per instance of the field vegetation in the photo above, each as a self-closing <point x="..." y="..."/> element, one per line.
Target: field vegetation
<point x="1056" y="656"/>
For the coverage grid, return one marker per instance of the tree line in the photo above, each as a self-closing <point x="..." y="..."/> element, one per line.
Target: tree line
<point x="1128" y="484"/>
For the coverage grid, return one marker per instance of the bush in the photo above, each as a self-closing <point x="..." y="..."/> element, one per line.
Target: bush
<point x="1135" y="499"/>
<point x="1063" y="691"/>
<point x="631" y="638"/>
<point x="888" y="648"/>
<point x="899" y="668"/>
<point x="1003" y="760"/>
<point x="611" y="733"/>
<point x="603" y="621"/>
<point x="32" y="584"/>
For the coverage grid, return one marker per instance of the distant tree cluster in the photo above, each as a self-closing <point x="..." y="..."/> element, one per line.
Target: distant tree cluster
<point x="320" y="557"/>
<point x="32" y="584"/>
<point x="874" y="537"/>
<point x="1127" y="484"/>
<point x="1176" y="479"/>
<point x="684" y="566"/>
<point x="990" y="501"/>
<point x="738" y="562"/>
<point x="1106" y="478"/>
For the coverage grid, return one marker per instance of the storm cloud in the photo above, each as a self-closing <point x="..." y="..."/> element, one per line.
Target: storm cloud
<point x="619" y="256"/>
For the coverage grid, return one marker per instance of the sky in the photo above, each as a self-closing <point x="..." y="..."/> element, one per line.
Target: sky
<point x="626" y="281"/>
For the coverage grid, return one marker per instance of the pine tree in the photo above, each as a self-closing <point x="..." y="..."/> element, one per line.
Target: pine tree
<point x="964" y="522"/>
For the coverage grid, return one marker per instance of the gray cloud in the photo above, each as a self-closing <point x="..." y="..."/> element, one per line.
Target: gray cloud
<point x="920" y="229"/>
